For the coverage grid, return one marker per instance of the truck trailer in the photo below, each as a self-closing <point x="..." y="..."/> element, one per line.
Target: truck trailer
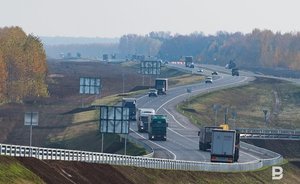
<point x="142" y="118"/>
<point x="188" y="61"/>
<point x="235" y="72"/>
<point x="223" y="146"/>
<point x="161" y="84"/>
<point x="205" y="135"/>
<point x="131" y="104"/>
<point x="157" y="127"/>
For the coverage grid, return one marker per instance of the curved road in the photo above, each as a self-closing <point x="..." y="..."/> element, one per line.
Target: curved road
<point x="182" y="136"/>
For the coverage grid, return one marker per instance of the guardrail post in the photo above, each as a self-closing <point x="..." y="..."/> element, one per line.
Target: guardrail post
<point x="15" y="151"/>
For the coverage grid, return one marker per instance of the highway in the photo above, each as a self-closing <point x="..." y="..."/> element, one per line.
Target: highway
<point x="182" y="136"/>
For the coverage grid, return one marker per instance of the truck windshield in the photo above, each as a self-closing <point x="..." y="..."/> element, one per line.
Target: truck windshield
<point x="159" y="124"/>
<point x="129" y="104"/>
<point x="144" y="118"/>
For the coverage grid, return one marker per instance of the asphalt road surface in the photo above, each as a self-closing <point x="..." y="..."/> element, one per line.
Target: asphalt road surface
<point x="182" y="136"/>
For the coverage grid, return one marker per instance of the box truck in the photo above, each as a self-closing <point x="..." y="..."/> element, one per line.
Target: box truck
<point x="131" y="104"/>
<point x="142" y="118"/>
<point x="223" y="146"/>
<point x="161" y="84"/>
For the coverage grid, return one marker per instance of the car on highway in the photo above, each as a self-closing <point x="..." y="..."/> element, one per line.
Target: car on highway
<point x="200" y="70"/>
<point x="153" y="93"/>
<point x="214" y="73"/>
<point x="208" y="80"/>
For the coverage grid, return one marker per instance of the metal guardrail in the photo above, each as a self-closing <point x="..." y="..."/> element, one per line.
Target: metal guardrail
<point x="268" y="131"/>
<point x="282" y="134"/>
<point x="275" y="157"/>
<point x="137" y="161"/>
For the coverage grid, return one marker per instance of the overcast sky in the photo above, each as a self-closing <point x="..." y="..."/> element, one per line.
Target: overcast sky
<point x="113" y="18"/>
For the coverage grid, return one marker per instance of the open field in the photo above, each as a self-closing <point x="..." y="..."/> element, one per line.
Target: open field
<point x="281" y="99"/>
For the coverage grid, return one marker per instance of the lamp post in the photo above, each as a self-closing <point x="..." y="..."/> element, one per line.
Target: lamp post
<point x="265" y="111"/>
<point x="216" y="108"/>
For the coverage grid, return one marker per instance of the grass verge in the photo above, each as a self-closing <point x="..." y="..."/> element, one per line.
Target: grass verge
<point x="281" y="99"/>
<point x="13" y="172"/>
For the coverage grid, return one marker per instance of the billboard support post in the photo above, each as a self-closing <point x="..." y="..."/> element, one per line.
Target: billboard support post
<point x="31" y="119"/>
<point x="102" y="140"/>
<point x="125" y="149"/>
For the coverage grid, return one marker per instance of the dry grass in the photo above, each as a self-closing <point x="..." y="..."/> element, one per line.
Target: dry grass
<point x="248" y="101"/>
<point x="185" y="79"/>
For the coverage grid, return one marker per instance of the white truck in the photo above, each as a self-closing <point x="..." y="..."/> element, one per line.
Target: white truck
<point x="143" y="115"/>
<point x="223" y="146"/>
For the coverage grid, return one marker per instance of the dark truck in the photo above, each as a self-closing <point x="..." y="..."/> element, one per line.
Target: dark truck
<point x="230" y="65"/>
<point x="235" y="72"/>
<point x="224" y="146"/>
<point x="188" y="61"/>
<point x="131" y="104"/>
<point x="161" y="84"/>
<point x="157" y="127"/>
<point x="205" y="135"/>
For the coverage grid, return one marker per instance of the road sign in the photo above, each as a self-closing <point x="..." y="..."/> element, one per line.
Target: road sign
<point x="150" y="67"/>
<point x="114" y="119"/>
<point x="31" y="118"/>
<point x="89" y="85"/>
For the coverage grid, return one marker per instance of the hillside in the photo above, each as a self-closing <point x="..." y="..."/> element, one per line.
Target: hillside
<point x="77" y="172"/>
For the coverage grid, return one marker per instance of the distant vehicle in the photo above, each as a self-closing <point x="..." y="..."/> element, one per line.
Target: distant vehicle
<point x="235" y="72"/>
<point x="200" y="70"/>
<point x="208" y="80"/>
<point x="131" y="104"/>
<point x="230" y="65"/>
<point x="153" y="92"/>
<point x="188" y="60"/>
<point x="224" y="147"/>
<point x="157" y="127"/>
<point x="192" y="65"/>
<point x="161" y="84"/>
<point x="205" y="135"/>
<point x="214" y="73"/>
<point x="142" y="118"/>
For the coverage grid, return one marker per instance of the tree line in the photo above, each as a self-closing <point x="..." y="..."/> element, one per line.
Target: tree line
<point x="258" y="48"/>
<point x="23" y="66"/>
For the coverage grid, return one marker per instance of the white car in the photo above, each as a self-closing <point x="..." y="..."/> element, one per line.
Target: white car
<point x="208" y="80"/>
<point x="200" y="70"/>
<point x="153" y="92"/>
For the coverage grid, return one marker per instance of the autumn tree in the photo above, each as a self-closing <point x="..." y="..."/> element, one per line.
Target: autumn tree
<point x="22" y="65"/>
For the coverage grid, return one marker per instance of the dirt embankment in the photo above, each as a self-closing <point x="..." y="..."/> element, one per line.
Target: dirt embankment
<point x="79" y="172"/>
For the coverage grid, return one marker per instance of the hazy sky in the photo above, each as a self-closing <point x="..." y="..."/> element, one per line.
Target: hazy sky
<point x="113" y="18"/>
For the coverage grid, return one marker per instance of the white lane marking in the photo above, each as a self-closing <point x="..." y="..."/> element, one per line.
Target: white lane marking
<point x="174" y="118"/>
<point x="182" y="136"/>
<point x="204" y="158"/>
<point x="141" y="97"/>
<point x="155" y="144"/>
